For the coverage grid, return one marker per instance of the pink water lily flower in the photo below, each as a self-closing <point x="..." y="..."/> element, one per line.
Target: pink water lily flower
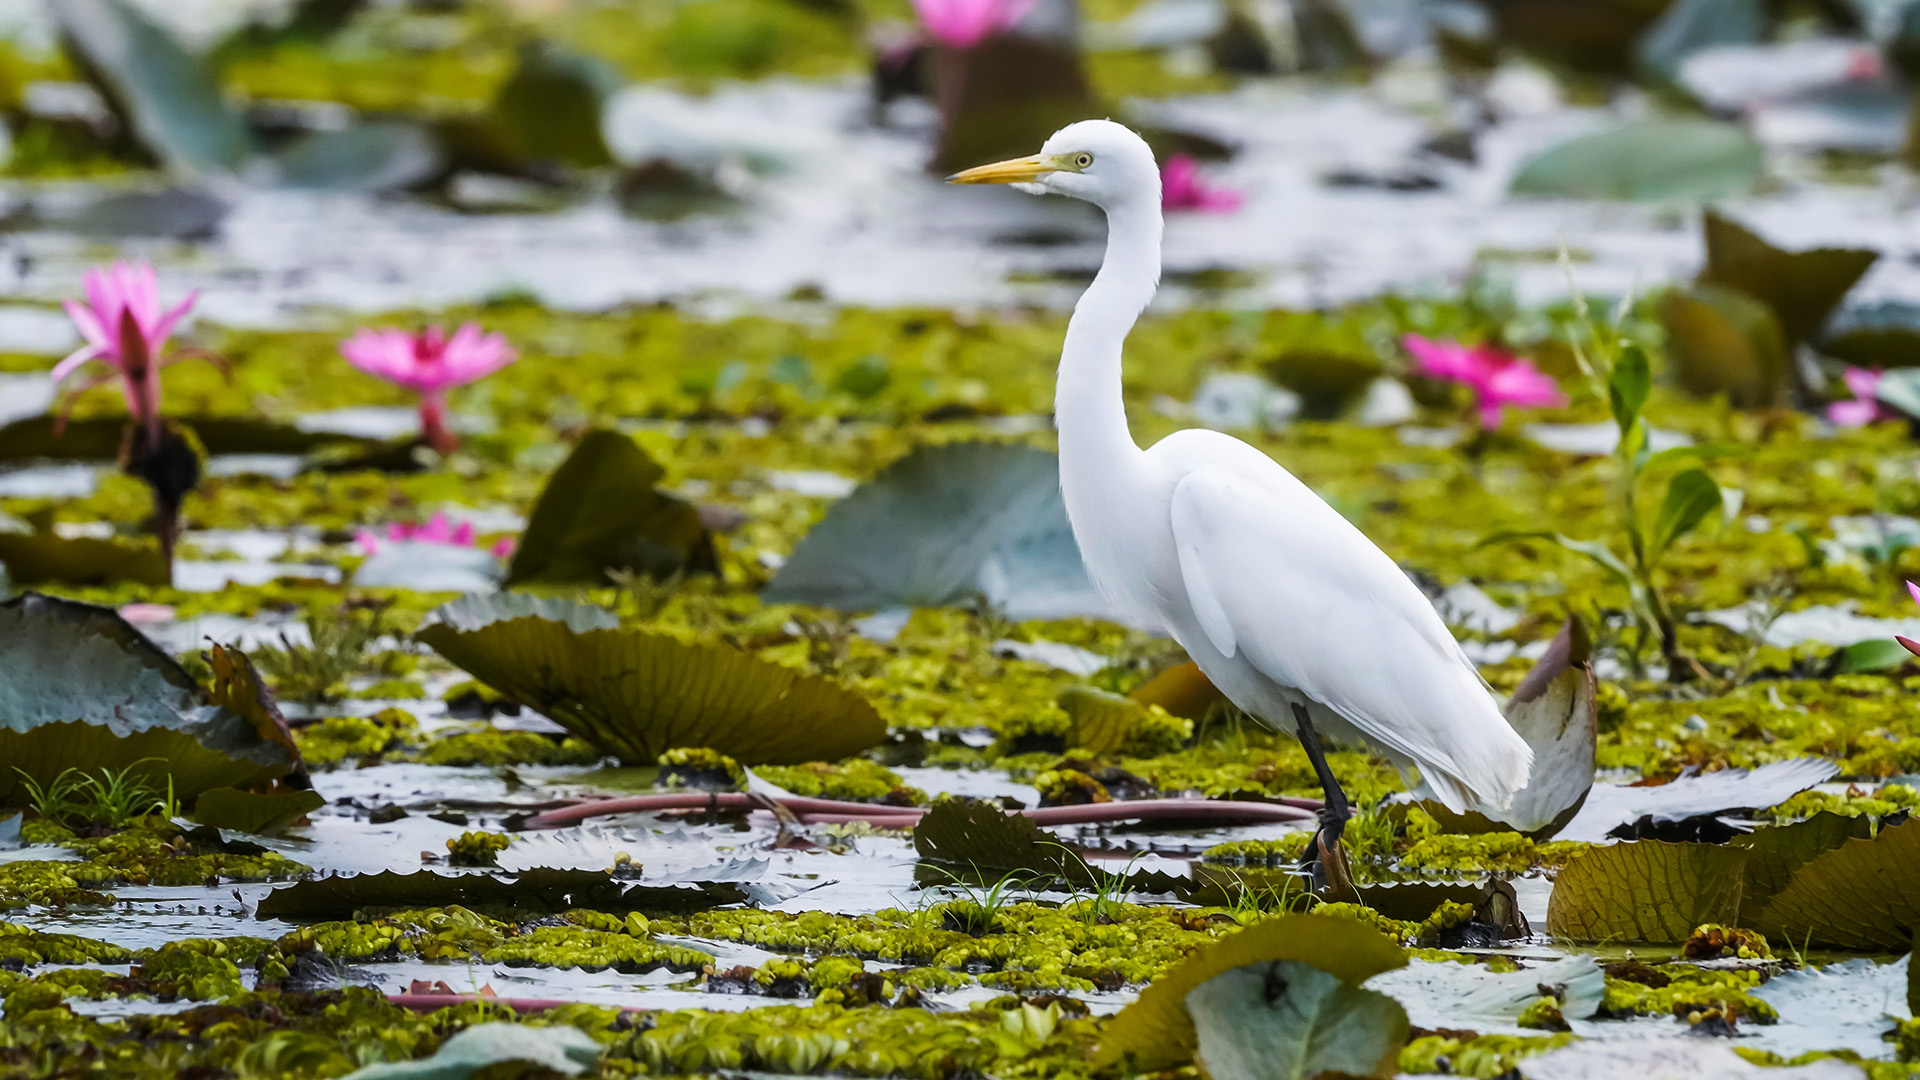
<point x="1497" y="378"/>
<point x="1866" y="407"/>
<point x="1908" y="643"/>
<point x="125" y="329"/>
<point x="439" y="529"/>
<point x="1182" y="189"/>
<point x="427" y="363"/>
<point x="962" y="24"/>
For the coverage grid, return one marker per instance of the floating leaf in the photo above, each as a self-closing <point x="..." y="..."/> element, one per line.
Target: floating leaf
<point x="167" y="97"/>
<point x="424" y="567"/>
<point x="561" y="1049"/>
<point x="1863" y="894"/>
<point x="946" y="525"/>
<point x="1882" y="654"/>
<point x="1692" y="25"/>
<point x="48" y="558"/>
<point x="81" y="688"/>
<point x="238" y="689"/>
<point x="980" y="836"/>
<point x="1555" y="710"/>
<point x="1285" y="1020"/>
<point x="977" y="840"/>
<point x="254" y="812"/>
<point x="1106" y="724"/>
<point x="601" y="512"/>
<point x="1647" y="161"/>
<point x="1182" y="690"/>
<point x="1591" y="37"/>
<point x="100" y="438"/>
<point x="1777" y="852"/>
<point x="548" y="111"/>
<point x="1646" y="890"/>
<point x="639" y="694"/>
<point x="543" y="891"/>
<point x="1155" y="1032"/>
<point x="1722" y="341"/>
<point x="1879" y="335"/>
<point x="1802" y="287"/>
<point x="383" y="156"/>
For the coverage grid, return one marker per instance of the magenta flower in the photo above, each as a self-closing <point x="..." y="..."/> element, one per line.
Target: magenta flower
<point x="1497" y="378"/>
<point x="1182" y="189"/>
<point x="125" y="329"/>
<point x="439" y="529"/>
<point x="962" y="24"/>
<point x="1908" y="643"/>
<point x="1865" y="408"/>
<point x="427" y="363"/>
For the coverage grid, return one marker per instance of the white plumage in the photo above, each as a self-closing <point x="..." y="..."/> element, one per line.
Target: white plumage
<point x="1282" y="602"/>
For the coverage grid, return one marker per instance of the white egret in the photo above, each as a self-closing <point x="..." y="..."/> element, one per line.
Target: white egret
<point x="1292" y="612"/>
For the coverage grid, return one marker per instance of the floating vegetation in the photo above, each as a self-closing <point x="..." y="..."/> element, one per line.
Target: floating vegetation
<point x="638" y="694"/>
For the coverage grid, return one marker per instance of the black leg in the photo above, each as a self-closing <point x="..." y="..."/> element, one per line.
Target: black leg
<point x="1336" y="810"/>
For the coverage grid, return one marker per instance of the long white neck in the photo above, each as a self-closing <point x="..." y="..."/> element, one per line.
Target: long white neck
<point x="1087" y="403"/>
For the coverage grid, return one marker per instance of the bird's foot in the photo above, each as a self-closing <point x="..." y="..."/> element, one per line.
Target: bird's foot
<point x="1325" y="863"/>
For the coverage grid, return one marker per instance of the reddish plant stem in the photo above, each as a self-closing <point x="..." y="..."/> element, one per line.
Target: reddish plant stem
<point x="826" y="811"/>
<point x="430" y="1002"/>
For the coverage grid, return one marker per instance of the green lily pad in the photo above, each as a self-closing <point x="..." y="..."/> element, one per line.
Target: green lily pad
<point x="1779" y="851"/>
<point x="1647" y="161"/>
<point x="1878" y="654"/>
<point x="544" y="891"/>
<point x="81" y="688"/>
<point x="1647" y="890"/>
<point x="601" y="512"/>
<point x="1879" y="335"/>
<point x="1286" y="1020"/>
<point x="383" y="156"/>
<point x="1156" y="1032"/>
<point x="47" y="558"/>
<point x="978" y="841"/>
<point x="167" y="97"/>
<point x="548" y="111"/>
<point x="1722" y="341"/>
<point x="99" y="438"/>
<point x="1802" y="287"/>
<point x="1862" y="894"/>
<point x="254" y="812"/>
<point x="1104" y="723"/>
<point x="1692" y="25"/>
<point x="1555" y="709"/>
<point x="561" y="1049"/>
<point x="946" y="525"/>
<point x="639" y="694"/>
<point x="1593" y="36"/>
<point x="979" y="836"/>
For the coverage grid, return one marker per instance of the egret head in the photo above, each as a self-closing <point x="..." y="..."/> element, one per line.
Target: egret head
<point x="1096" y="160"/>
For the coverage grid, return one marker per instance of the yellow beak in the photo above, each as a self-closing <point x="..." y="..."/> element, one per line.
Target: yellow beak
<point x="1014" y="171"/>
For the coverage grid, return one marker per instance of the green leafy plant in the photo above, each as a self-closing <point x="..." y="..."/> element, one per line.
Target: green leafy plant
<point x="316" y="672"/>
<point x="58" y="800"/>
<point x="1618" y="371"/>
<point x="1100" y="904"/>
<point x="974" y="911"/>
<point x="114" y="798"/>
<point x="1248" y="903"/>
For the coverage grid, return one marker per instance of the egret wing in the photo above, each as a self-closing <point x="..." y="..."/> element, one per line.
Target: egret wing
<point x="1275" y="575"/>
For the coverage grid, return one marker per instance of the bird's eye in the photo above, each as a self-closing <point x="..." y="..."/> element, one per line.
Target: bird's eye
<point x="1082" y="160"/>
